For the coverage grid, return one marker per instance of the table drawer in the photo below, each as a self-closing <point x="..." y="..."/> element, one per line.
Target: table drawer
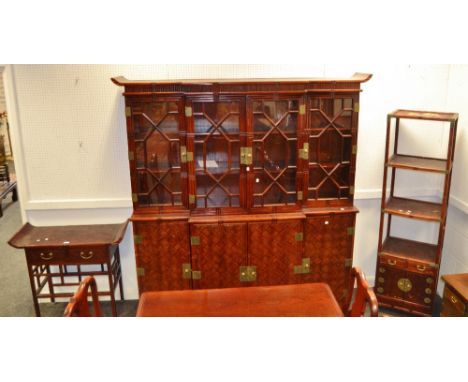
<point x="85" y="255"/>
<point x="453" y="302"/>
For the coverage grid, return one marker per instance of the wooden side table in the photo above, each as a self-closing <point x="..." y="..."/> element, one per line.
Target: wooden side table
<point x="55" y="257"/>
<point x="455" y="300"/>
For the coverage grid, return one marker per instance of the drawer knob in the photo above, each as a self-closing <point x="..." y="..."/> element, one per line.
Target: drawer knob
<point x="428" y="291"/>
<point x="382" y="270"/>
<point x="47" y="256"/>
<point x="85" y="256"/>
<point x="421" y="268"/>
<point x="327" y="222"/>
<point x="454" y="299"/>
<point x="427" y="300"/>
<point x="391" y="262"/>
<point x="380" y="290"/>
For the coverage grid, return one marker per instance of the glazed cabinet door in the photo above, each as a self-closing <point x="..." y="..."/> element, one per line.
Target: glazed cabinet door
<point x="156" y="136"/>
<point x="218" y="253"/>
<point x="274" y="127"/>
<point x="274" y="250"/>
<point x="329" y="249"/>
<point x="161" y="249"/>
<point x="331" y="138"/>
<point x="216" y="139"/>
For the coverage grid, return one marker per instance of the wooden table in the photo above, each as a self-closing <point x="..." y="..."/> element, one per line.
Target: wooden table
<point x="304" y="300"/>
<point x="55" y="256"/>
<point x="455" y="300"/>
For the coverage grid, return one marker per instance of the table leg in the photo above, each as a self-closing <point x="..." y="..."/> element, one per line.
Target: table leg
<point x="33" y="291"/>
<point x="119" y="267"/>
<point x="50" y="282"/>
<point x="111" y="288"/>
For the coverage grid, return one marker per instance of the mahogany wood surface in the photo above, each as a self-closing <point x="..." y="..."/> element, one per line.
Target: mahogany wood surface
<point x="306" y="300"/>
<point x="78" y="305"/>
<point x="407" y="271"/>
<point x="51" y="250"/>
<point x="364" y="296"/>
<point x="459" y="282"/>
<point x="227" y="174"/>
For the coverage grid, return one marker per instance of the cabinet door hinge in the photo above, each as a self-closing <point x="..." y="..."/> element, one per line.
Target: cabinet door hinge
<point x="248" y="274"/>
<point x="140" y="272"/>
<point x="304" y="152"/>
<point x="128" y="111"/>
<point x="185" y="156"/>
<point x="135" y="198"/>
<point x="351" y="190"/>
<point x="354" y="149"/>
<point x="304" y="268"/>
<point x="348" y="262"/>
<point x="191" y="199"/>
<point x="246" y="155"/>
<point x="194" y="240"/>
<point x="302" y="109"/>
<point x="137" y="239"/>
<point x="350" y="231"/>
<point x="356" y="107"/>
<point x="131" y="155"/>
<point x="299" y="236"/>
<point x="188" y="274"/>
<point x="188" y="111"/>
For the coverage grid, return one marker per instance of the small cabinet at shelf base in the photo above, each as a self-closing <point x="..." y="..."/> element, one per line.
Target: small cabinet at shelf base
<point x="410" y="291"/>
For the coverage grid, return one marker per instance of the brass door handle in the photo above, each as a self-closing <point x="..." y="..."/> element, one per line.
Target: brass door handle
<point x="421" y="268"/>
<point x="88" y="256"/>
<point x="48" y="256"/>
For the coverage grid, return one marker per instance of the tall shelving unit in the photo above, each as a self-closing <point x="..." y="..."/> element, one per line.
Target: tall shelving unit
<point x="407" y="271"/>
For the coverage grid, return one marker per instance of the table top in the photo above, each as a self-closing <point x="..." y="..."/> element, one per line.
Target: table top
<point x="459" y="282"/>
<point x="304" y="300"/>
<point x="30" y="236"/>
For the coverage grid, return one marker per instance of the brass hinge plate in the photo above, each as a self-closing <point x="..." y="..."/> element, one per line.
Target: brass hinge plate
<point x="191" y="199"/>
<point x="304" y="268"/>
<point x="140" y="272"/>
<point x="188" y="111"/>
<point x="351" y="190"/>
<point x="137" y="239"/>
<point x="350" y="231"/>
<point x="194" y="240"/>
<point x="299" y="236"/>
<point x="128" y="111"/>
<point x="131" y="155"/>
<point x="302" y="109"/>
<point x="354" y="149"/>
<point x="185" y="156"/>
<point x="196" y="275"/>
<point x="186" y="271"/>
<point x="300" y="195"/>
<point x="304" y="152"/>
<point x="135" y="198"/>
<point x="248" y="274"/>
<point x="356" y="107"/>
<point x="348" y="263"/>
<point x="246" y="155"/>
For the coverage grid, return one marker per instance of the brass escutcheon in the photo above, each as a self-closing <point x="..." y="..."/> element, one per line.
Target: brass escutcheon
<point x="405" y="285"/>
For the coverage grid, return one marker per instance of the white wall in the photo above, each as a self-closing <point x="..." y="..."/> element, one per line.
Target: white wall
<point x="71" y="150"/>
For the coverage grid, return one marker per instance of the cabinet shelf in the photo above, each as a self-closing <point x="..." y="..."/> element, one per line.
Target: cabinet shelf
<point x="408" y="162"/>
<point x="411" y="208"/>
<point x="409" y="249"/>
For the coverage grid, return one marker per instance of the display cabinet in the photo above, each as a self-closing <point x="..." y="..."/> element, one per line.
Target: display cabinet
<point x="242" y="182"/>
<point x="407" y="270"/>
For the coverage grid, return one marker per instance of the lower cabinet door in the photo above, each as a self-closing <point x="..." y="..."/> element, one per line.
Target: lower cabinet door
<point x="274" y="249"/>
<point x="161" y="249"/>
<point x="218" y="253"/>
<point x="329" y="249"/>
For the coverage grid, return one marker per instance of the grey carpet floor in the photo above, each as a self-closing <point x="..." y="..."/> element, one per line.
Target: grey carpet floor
<point x="15" y="290"/>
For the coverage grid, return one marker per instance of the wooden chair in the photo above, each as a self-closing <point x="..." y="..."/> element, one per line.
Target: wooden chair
<point x="6" y="185"/>
<point x="364" y="296"/>
<point x="78" y="305"/>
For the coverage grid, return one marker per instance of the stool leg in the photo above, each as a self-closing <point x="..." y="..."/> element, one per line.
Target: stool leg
<point x="14" y="195"/>
<point x="33" y="291"/>
<point x="111" y="288"/>
<point x="119" y="271"/>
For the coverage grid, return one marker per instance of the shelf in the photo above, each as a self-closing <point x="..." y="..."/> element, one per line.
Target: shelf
<point x="418" y="164"/>
<point x="408" y="249"/>
<point x="424" y="115"/>
<point x="411" y="208"/>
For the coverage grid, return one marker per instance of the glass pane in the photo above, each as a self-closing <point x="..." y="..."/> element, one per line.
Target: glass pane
<point x="330" y="146"/>
<point x="217" y="154"/>
<point x="275" y="151"/>
<point x="157" y="153"/>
